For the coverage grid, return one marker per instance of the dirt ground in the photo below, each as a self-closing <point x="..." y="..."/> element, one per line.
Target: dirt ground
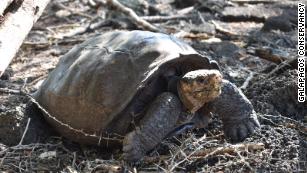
<point x="255" y="45"/>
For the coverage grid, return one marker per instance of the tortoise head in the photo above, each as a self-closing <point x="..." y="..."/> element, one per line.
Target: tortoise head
<point x="198" y="87"/>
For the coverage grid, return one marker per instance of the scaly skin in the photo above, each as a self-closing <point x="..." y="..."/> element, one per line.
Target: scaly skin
<point x="159" y="120"/>
<point x="236" y="111"/>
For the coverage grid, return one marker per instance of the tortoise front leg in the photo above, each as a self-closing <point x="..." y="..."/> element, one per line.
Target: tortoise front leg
<point x="160" y="119"/>
<point x="236" y="111"/>
<point x="202" y="117"/>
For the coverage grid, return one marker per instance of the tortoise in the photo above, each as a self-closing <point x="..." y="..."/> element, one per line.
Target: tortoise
<point x="132" y="88"/>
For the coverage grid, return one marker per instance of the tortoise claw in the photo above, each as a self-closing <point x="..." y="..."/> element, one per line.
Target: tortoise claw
<point x="133" y="150"/>
<point x="240" y="130"/>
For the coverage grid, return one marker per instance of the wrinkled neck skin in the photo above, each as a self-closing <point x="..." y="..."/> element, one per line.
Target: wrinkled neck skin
<point x="172" y="87"/>
<point x="192" y="116"/>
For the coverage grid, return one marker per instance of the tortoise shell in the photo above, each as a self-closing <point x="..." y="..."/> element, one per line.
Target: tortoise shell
<point x="96" y="80"/>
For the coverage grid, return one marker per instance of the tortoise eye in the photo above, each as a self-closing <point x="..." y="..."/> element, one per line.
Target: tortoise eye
<point x="200" y="80"/>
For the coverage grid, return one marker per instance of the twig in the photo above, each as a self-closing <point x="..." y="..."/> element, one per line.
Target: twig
<point x="73" y="10"/>
<point x="3" y="158"/>
<point x="254" y="1"/>
<point x="271" y="55"/>
<point x="266" y="120"/>
<point x="44" y="45"/>
<point x="30" y="146"/>
<point x="18" y="167"/>
<point x="134" y="17"/>
<point x="92" y="3"/>
<point x="13" y="91"/>
<point x="186" y="158"/>
<point x="25" y="131"/>
<point x="283" y="66"/>
<point x="243" y="160"/>
<point x="77" y="31"/>
<point x="74" y="160"/>
<point x="222" y="30"/>
<point x="36" y="45"/>
<point x="70" y="169"/>
<point x="201" y="17"/>
<point x="227" y="149"/>
<point x="87" y="28"/>
<point x="164" y="18"/>
<point x="204" y="153"/>
<point x="10" y="91"/>
<point x="192" y="36"/>
<point x="247" y="81"/>
<point x="107" y="168"/>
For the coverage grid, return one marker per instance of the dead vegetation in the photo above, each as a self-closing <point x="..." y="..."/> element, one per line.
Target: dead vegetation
<point x="255" y="50"/>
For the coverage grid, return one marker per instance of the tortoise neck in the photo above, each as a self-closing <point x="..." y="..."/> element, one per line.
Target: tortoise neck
<point x="172" y="84"/>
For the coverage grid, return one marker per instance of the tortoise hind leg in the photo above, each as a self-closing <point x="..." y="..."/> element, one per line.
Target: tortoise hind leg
<point x="236" y="111"/>
<point x="158" y="121"/>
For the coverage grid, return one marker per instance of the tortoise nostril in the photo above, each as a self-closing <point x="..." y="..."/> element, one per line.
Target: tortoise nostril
<point x="217" y="77"/>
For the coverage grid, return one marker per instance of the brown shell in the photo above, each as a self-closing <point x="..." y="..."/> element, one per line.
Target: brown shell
<point x="97" y="79"/>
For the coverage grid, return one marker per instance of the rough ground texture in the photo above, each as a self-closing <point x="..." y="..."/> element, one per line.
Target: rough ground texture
<point x="222" y="30"/>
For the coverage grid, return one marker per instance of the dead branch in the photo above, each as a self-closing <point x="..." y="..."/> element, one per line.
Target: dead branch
<point x="227" y="149"/>
<point x="192" y="36"/>
<point x="158" y="19"/>
<point x="222" y="30"/>
<point x="70" y="169"/>
<point x="72" y="10"/>
<point x="4" y="4"/>
<point x="15" y="28"/>
<point x="247" y="81"/>
<point x="283" y="66"/>
<point x="140" y="21"/>
<point x="254" y="1"/>
<point x="133" y="16"/>
<point x="272" y="55"/>
<point x="11" y="91"/>
<point x="25" y="131"/>
<point x="87" y="27"/>
<point x="77" y="31"/>
<point x="204" y="153"/>
<point x="107" y="168"/>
